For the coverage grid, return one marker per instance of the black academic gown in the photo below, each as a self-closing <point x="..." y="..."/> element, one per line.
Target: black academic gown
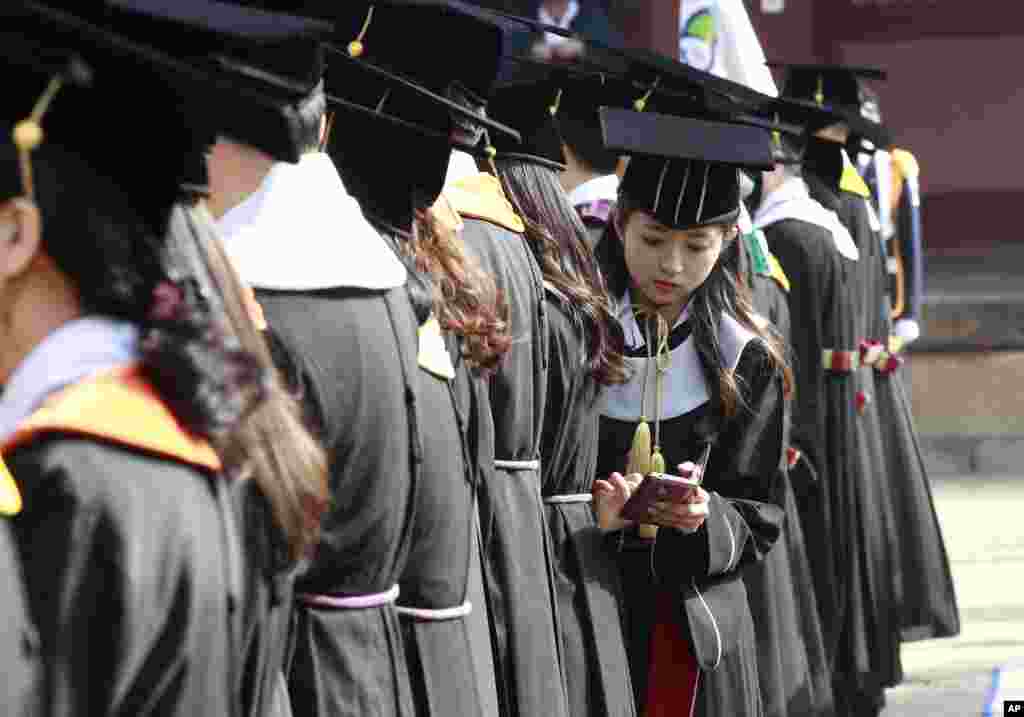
<point x="701" y="573"/>
<point x="351" y="353"/>
<point x="518" y="558"/>
<point x="793" y="666"/>
<point x="19" y="643"/>
<point x="586" y="576"/>
<point x="434" y="584"/>
<point x="132" y="566"/>
<point x="922" y="582"/>
<point x="868" y="657"/>
<point x="266" y="609"/>
<point x="474" y="405"/>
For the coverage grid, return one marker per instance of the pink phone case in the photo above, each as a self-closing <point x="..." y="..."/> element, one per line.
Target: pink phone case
<point x="657" y="487"/>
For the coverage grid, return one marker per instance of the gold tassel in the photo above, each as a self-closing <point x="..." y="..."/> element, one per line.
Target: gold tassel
<point x="640" y="454"/>
<point x="657" y="461"/>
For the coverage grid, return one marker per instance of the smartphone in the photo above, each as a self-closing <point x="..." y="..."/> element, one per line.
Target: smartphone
<point x="663" y="487"/>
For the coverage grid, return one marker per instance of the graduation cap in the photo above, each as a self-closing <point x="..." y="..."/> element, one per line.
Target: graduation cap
<point x="835" y="85"/>
<point x="61" y="70"/>
<point x="277" y="57"/>
<point x="685" y="171"/>
<point x="836" y="89"/>
<point x="528" y="98"/>
<point x="408" y="39"/>
<point x="252" y="41"/>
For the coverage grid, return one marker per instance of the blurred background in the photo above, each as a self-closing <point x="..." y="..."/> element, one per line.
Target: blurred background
<point x="954" y="99"/>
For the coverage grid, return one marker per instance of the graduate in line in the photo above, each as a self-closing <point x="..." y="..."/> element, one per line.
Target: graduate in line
<point x="584" y="356"/>
<point x="704" y="377"/>
<point x="123" y="383"/>
<point x="867" y="652"/>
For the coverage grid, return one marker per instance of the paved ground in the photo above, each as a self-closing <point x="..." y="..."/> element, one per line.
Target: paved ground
<point x="983" y="520"/>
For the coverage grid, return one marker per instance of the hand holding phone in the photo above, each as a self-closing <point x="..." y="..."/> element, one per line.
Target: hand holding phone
<point x="658" y="488"/>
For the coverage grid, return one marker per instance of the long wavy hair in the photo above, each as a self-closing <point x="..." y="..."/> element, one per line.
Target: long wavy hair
<point x="467" y="301"/>
<point x="205" y="367"/>
<point x="724" y="291"/>
<point x="559" y="242"/>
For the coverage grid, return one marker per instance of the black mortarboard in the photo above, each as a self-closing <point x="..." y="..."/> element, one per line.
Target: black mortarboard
<point x="279" y="56"/>
<point x="527" y="98"/>
<point x="249" y="39"/>
<point x="407" y="39"/>
<point x="685" y="171"/>
<point x="835" y="85"/>
<point x="837" y="89"/>
<point x="144" y="149"/>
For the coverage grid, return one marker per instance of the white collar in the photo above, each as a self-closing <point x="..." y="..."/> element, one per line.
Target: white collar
<point x="81" y="347"/>
<point x="460" y="165"/>
<point x="791" y="200"/>
<point x="605" y="187"/>
<point x="301" y="231"/>
<point x="684" y="386"/>
<point x="545" y="17"/>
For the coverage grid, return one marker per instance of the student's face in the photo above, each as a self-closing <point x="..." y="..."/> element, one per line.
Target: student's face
<point x="667" y="265"/>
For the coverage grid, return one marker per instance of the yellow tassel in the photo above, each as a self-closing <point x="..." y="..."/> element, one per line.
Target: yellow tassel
<point x="657" y="461"/>
<point x="640" y="455"/>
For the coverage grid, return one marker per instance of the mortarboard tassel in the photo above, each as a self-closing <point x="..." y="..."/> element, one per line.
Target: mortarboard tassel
<point x="640" y="104"/>
<point x="355" y="48"/>
<point x="28" y="134"/>
<point x="819" y="96"/>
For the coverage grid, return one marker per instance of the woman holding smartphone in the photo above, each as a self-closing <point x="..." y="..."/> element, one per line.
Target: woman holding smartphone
<point x="707" y="385"/>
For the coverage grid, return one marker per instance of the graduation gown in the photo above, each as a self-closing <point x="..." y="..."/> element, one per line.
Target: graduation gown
<point x="867" y="658"/>
<point x="266" y="608"/>
<point x="586" y="576"/>
<point x="684" y="594"/>
<point x="433" y="603"/>
<point x="19" y="643"/>
<point x="922" y="581"/>
<point x="132" y="561"/>
<point x="473" y="401"/>
<point x="518" y="558"/>
<point x="344" y="334"/>
<point x="792" y="664"/>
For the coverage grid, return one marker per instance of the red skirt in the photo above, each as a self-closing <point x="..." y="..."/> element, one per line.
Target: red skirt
<point x="673" y="675"/>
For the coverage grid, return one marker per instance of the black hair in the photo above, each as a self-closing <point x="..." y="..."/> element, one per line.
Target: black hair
<point x="311" y="112"/>
<point x="127" y="268"/>
<point x="587" y="145"/>
<point x="724" y="291"/>
<point x="559" y="242"/>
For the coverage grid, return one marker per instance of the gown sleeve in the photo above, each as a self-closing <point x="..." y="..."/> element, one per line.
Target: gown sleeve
<point x="744" y="481"/>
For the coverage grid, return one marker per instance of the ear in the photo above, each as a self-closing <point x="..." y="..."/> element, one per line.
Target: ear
<point x="20" y="236"/>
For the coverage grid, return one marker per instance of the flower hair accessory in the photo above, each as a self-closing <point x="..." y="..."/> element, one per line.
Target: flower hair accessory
<point x="168" y="301"/>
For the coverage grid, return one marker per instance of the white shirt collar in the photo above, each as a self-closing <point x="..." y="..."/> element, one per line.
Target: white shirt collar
<point x="593" y="190"/>
<point x="460" y="165"/>
<point x="571" y="13"/>
<point x="301" y="230"/>
<point x="791" y="200"/>
<point x="81" y="347"/>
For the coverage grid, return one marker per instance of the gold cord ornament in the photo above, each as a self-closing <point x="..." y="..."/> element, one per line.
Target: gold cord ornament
<point x="28" y="134"/>
<point x="642" y="459"/>
<point x="557" y="104"/>
<point x="356" y="48"/>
